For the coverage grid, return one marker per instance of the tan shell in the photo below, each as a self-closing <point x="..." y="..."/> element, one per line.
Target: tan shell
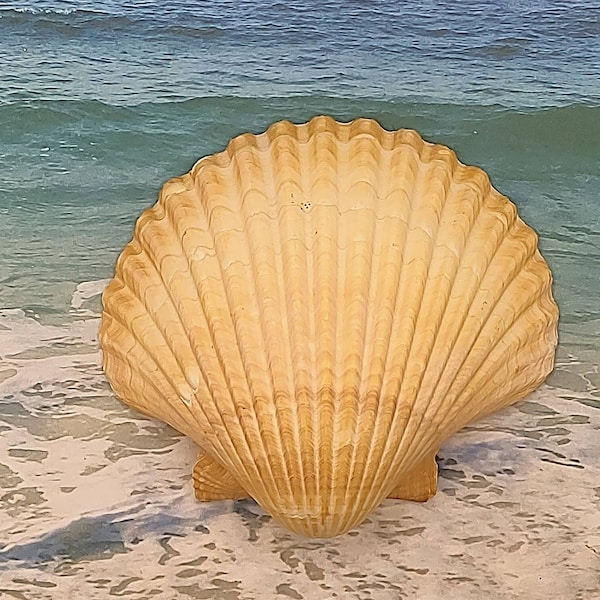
<point x="319" y="307"/>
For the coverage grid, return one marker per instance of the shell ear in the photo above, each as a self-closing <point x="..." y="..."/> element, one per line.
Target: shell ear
<point x="420" y="483"/>
<point x="212" y="481"/>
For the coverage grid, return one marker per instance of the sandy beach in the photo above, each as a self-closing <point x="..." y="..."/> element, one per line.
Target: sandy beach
<point x="103" y="101"/>
<point x="97" y="500"/>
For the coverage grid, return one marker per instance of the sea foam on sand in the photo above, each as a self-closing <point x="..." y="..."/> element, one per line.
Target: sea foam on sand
<point x="96" y="500"/>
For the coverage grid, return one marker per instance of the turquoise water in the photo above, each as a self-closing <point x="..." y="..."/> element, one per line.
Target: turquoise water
<point x="78" y="173"/>
<point x="101" y="102"/>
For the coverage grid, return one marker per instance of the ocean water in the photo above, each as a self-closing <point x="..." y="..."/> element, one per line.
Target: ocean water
<point x="100" y="103"/>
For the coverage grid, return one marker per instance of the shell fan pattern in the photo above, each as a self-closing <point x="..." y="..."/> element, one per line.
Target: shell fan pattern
<point x="318" y="307"/>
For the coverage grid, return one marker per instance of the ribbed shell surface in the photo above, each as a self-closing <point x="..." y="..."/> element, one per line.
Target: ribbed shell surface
<point x="321" y="305"/>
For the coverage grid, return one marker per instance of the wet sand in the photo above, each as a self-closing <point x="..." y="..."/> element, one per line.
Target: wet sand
<point x="96" y="500"/>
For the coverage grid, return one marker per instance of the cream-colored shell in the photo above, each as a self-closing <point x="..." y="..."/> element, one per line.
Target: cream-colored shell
<point x="318" y="307"/>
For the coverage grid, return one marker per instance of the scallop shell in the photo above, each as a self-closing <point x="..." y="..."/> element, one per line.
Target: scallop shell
<point x="318" y="307"/>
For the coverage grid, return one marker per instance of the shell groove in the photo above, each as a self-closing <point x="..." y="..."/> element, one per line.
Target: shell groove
<point x="319" y="307"/>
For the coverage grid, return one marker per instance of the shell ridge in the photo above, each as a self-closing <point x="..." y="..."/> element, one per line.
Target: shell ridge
<point x="357" y="474"/>
<point x="290" y="418"/>
<point x="385" y="329"/>
<point x="161" y="218"/>
<point x="285" y="184"/>
<point x="234" y="435"/>
<point x="350" y="256"/>
<point x="220" y="360"/>
<point x="325" y="253"/>
<point x="419" y="181"/>
<point x="339" y="412"/>
<point x="125" y="357"/>
<point x="382" y="450"/>
<point x="254" y="293"/>
<point x="300" y="392"/>
<point x="280" y="271"/>
<point x="523" y="309"/>
<point x="334" y="349"/>
<point x="294" y="257"/>
<point x="456" y="167"/>
<point x="466" y="314"/>
<point x="356" y="408"/>
<point x="143" y="311"/>
<point x="309" y="149"/>
<point x="516" y="392"/>
<point x="178" y="406"/>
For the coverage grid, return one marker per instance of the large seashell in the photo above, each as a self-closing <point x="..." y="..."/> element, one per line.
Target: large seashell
<point x="318" y="307"/>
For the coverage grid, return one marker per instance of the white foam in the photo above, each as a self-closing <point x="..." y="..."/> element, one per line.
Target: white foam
<point x="87" y="290"/>
<point x="20" y="332"/>
<point x="32" y="352"/>
<point x="510" y="487"/>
